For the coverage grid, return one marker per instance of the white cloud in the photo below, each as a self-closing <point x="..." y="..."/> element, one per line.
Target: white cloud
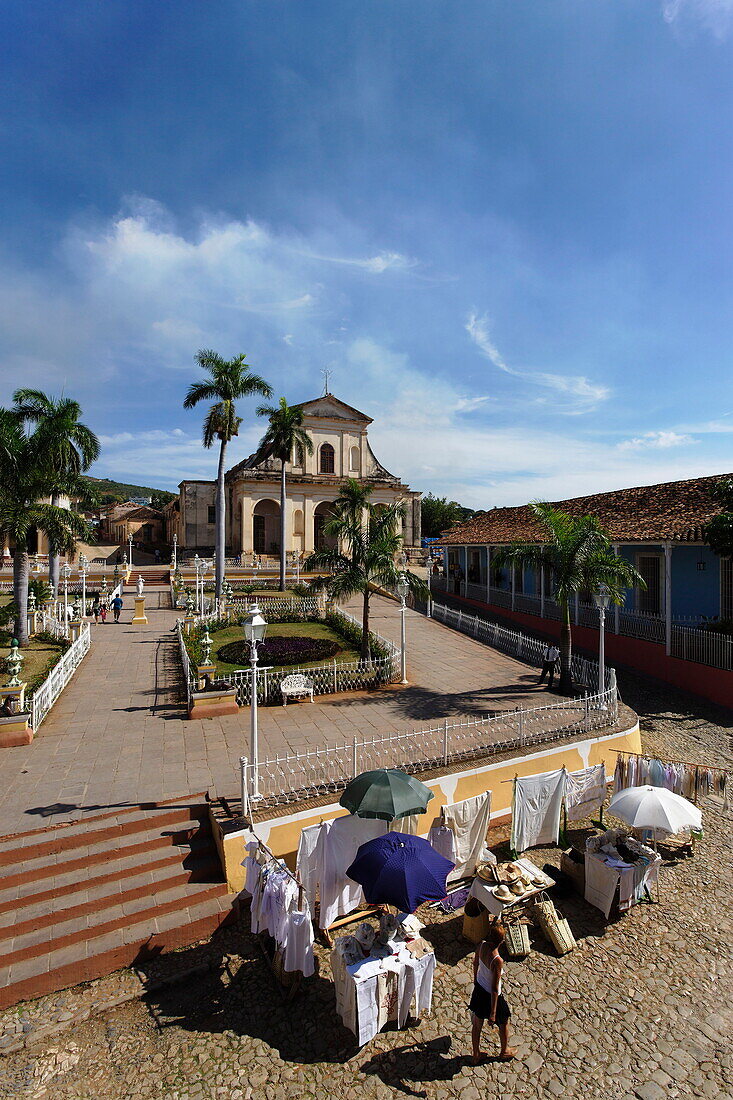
<point x="577" y="394"/>
<point x="377" y="265"/>
<point x="657" y="441"/>
<point x="715" y="16"/>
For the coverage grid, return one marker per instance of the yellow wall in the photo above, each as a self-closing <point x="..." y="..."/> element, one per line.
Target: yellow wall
<point x="283" y="833"/>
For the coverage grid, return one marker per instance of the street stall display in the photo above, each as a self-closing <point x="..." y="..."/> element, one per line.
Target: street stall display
<point x="509" y="886"/>
<point x="382" y="978"/>
<point x="617" y="866"/>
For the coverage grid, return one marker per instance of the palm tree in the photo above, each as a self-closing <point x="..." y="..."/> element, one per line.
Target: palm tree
<point x="284" y="436"/>
<point x="368" y="535"/>
<point x="69" y="448"/>
<point x="228" y="381"/>
<point x="578" y="557"/>
<point x="26" y="480"/>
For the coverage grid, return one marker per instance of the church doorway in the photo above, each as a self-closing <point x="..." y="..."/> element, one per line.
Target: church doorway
<point x="266" y="527"/>
<point x="321" y="516"/>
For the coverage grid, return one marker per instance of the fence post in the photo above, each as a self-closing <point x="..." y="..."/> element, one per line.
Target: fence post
<point x="243" y="780"/>
<point x="354" y="772"/>
<point x="445" y="741"/>
<point x="335" y="679"/>
<point x="460" y="619"/>
<point x="586" y="708"/>
<point x="475" y="625"/>
<point x="520" y="713"/>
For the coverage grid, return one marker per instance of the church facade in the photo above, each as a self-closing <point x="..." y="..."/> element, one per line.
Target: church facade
<point x="341" y="449"/>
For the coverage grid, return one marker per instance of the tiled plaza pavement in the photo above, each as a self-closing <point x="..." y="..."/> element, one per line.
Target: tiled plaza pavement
<point x="640" y="1011"/>
<point x="119" y="734"/>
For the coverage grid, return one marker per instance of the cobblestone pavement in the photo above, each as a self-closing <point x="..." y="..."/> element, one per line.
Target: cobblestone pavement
<point x="640" y="1011"/>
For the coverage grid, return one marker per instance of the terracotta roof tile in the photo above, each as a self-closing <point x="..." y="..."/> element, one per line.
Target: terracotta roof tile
<point x="675" y="510"/>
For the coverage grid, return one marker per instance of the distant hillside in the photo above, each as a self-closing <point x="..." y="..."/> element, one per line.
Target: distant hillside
<point x="108" y="491"/>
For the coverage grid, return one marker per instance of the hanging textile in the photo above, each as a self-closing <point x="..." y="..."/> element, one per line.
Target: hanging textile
<point x="442" y="839"/>
<point x="335" y="852"/>
<point x="692" y="781"/>
<point x="536" y="809"/>
<point x="469" y="823"/>
<point x="585" y="791"/>
<point x="306" y="862"/>
<point x="600" y="883"/>
<point x="298" y="943"/>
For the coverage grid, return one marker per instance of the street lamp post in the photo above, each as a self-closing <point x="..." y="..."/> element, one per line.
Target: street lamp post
<point x="255" y="629"/>
<point x="129" y="558"/>
<point x="175" y="552"/>
<point x="83" y="568"/>
<point x="602" y="600"/>
<point x="197" y="563"/>
<point x="65" y="574"/>
<point x="207" y="570"/>
<point x="402" y="589"/>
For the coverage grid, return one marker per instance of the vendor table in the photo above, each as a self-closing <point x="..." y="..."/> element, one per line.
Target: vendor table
<point x="382" y="987"/>
<point x="484" y="891"/>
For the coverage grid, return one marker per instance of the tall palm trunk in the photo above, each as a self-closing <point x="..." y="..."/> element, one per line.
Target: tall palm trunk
<point x="566" y="652"/>
<point x="366" y="652"/>
<point x="221" y="513"/>
<point x="21" y="564"/>
<point x="54" y="558"/>
<point x="282" y="525"/>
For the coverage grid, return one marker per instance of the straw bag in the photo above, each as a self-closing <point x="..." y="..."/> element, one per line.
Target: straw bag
<point x="517" y="941"/>
<point x="476" y="921"/>
<point x="555" y="927"/>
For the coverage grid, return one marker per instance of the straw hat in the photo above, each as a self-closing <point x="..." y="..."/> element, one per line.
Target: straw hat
<point x="518" y="888"/>
<point x="503" y="893"/>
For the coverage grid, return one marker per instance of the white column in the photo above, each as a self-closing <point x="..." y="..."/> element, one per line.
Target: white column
<point x="616" y="608"/>
<point x="488" y="574"/>
<point x="668" y="597"/>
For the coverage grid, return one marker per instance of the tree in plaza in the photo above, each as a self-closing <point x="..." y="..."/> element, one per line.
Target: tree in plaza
<point x="283" y="438"/>
<point x="26" y="480"/>
<point x="719" y="530"/>
<point x="577" y="557"/>
<point x="68" y="447"/>
<point x="438" y="514"/>
<point x="229" y="380"/>
<point x="369" y="540"/>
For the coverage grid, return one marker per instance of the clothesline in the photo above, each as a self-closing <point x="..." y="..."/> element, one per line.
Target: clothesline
<point x="271" y="858"/>
<point x="684" y="763"/>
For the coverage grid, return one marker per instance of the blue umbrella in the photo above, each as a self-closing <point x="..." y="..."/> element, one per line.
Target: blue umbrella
<point x="401" y="870"/>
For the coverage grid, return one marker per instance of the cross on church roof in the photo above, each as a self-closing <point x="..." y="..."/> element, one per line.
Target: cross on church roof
<point x="326" y="372"/>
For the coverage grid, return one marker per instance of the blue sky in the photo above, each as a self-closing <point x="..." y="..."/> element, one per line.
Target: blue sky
<point x="506" y="227"/>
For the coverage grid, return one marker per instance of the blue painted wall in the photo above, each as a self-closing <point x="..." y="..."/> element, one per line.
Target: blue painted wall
<point x="694" y="591"/>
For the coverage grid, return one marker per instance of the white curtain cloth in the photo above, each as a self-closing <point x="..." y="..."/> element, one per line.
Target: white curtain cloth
<point x="441" y="838"/>
<point x="585" y="791"/>
<point x="335" y="852"/>
<point x="298" y="945"/>
<point x="469" y="823"/>
<point x="536" y="809"/>
<point x="600" y="883"/>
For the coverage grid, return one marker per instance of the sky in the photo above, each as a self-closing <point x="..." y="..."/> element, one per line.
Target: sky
<point x="506" y="228"/>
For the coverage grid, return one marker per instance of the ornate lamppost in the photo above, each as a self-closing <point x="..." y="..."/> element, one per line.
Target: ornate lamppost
<point x="602" y="599"/>
<point x="65" y="574"/>
<point x="175" y="553"/>
<point x="83" y="570"/>
<point x="403" y="588"/>
<point x="255" y="629"/>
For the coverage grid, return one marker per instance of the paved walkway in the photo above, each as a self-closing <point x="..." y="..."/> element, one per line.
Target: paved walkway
<point x="119" y="734"/>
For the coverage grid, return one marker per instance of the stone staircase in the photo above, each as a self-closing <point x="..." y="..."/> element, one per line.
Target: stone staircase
<point x="150" y="576"/>
<point x="80" y="901"/>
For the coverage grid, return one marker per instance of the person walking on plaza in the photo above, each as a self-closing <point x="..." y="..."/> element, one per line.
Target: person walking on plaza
<point x="103" y="612"/>
<point x="487" y="1000"/>
<point x="95" y="609"/>
<point x="550" y="659"/>
<point x="117" y="607"/>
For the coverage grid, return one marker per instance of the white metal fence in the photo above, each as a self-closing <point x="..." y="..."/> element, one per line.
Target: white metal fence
<point x="296" y="776"/>
<point x="45" y="696"/>
<point x="703" y="646"/>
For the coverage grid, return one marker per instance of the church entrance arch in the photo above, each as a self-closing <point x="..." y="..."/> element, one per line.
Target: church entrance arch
<point x="321" y="515"/>
<point x="266" y="527"/>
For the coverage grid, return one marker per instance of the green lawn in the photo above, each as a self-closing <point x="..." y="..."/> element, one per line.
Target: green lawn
<point x="38" y="658"/>
<point x="286" y="630"/>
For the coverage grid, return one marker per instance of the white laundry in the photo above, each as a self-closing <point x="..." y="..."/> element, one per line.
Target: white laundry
<point x="585" y="791"/>
<point x="600" y="883"/>
<point x="536" y="809"/>
<point x="336" y="850"/>
<point x="298" y="937"/>
<point x="469" y="823"/>
<point x="306" y="863"/>
<point x="251" y="866"/>
<point x="442" y="839"/>
<point x="407" y="825"/>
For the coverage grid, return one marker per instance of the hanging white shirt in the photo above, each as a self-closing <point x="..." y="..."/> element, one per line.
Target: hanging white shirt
<point x="469" y="823"/>
<point x="536" y="809"/>
<point x="306" y="863"/>
<point x="298" y="937"/>
<point x="336" y="851"/>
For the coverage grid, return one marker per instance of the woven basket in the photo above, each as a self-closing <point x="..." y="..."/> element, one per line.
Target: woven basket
<point x="475" y="928"/>
<point x="559" y="934"/>
<point x="517" y="941"/>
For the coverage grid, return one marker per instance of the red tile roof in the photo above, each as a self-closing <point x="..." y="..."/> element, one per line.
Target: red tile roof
<point x="674" y="510"/>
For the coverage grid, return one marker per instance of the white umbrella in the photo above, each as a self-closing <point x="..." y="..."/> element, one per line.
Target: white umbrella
<point x="655" y="808"/>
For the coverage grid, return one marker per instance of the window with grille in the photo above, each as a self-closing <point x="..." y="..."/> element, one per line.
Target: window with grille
<point x="212" y="513"/>
<point x="649" y="599"/>
<point x="328" y="459"/>
<point x="726" y="588"/>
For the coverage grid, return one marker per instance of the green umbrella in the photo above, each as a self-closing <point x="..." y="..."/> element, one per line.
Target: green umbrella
<point x="386" y="793"/>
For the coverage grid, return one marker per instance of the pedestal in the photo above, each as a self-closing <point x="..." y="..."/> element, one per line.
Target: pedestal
<point x="189" y="623"/>
<point x="139" y="617"/>
<point x="213" y="704"/>
<point x="203" y="671"/>
<point x="74" y="629"/>
<point x="15" y="694"/>
<point x="15" y="731"/>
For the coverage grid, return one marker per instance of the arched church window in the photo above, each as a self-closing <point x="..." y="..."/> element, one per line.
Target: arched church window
<point x="328" y="459"/>
<point x="354" y="460"/>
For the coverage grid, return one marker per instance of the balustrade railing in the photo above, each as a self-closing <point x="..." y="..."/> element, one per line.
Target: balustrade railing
<point x="703" y="646"/>
<point x="45" y="696"/>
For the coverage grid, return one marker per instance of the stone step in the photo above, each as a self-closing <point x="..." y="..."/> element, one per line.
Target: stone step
<point x="88" y="832"/>
<point x="93" y="897"/>
<point x="97" y="955"/>
<point x="119" y="868"/>
<point x="86" y="929"/>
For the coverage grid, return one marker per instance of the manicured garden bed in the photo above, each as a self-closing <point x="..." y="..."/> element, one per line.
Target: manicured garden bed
<point x="289" y="646"/>
<point x="39" y="656"/>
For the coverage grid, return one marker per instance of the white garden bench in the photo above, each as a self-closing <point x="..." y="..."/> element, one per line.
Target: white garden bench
<point x="296" y="685"/>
